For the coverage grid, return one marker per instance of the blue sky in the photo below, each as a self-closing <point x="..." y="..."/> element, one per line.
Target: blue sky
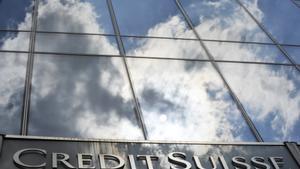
<point x="12" y="12"/>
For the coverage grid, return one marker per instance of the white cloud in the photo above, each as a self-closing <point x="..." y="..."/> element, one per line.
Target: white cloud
<point x="192" y="103"/>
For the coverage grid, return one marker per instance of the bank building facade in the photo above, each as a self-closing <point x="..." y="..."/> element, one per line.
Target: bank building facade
<point x="149" y="84"/>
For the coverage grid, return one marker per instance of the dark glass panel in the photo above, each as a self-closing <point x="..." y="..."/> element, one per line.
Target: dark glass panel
<point x="223" y="20"/>
<point x="82" y="97"/>
<point x="88" y="16"/>
<point x="12" y="78"/>
<point x="15" y="14"/>
<point x="170" y="48"/>
<point x="270" y="95"/>
<point x="83" y="44"/>
<point x="293" y="52"/>
<point x="245" y="52"/>
<point x="280" y="18"/>
<point x="184" y="100"/>
<point x="18" y="41"/>
<point x="151" y="18"/>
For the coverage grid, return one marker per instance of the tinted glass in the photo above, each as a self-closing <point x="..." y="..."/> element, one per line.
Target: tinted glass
<point x="222" y="19"/>
<point x="294" y="52"/>
<point x="14" y="41"/>
<point x="88" y="16"/>
<point x="280" y="18"/>
<point x="270" y="95"/>
<point x="186" y="101"/>
<point x="151" y="18"/>
<point x="164" y="48"/>
<point x="12" y="78"/>
<point x="245" y="52"/>
<point x="82" y="97"/>
<point x="83" y="44"/>
<point x="15" y="14"/>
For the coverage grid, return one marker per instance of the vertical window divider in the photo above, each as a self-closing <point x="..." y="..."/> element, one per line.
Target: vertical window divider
<point x="122" y="52"/>
<point x="262" y="27"/>
<point x="29" y="70"/>
<point x="216" y="67"/>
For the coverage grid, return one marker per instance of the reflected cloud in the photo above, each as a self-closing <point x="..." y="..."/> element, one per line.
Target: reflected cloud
<point x="181" y="100"/>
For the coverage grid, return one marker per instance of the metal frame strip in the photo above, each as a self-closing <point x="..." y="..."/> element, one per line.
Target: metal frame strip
<point x="215" y="65"/>
<point x="29" y="69"/>
<point x="294" y="151"/>
<point x="137" y="109"/>
<point x="152" y="37"/>
<point x="149" y="57"/>
<point x="141" y="141"/>
<point x="1" y="142"/>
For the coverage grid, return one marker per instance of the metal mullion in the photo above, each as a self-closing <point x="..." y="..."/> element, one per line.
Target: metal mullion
<point x="74" y="33"/>
<point x="262" y="27"/>
<point x="153" y="37"/>
<point x="14" y="30"/>
<point x="216" y="67"/>
<point x="122" y="51"/>
<point x="13" y="51"/>
<point x="29" y="69"/>
<point x="157" y="58"/>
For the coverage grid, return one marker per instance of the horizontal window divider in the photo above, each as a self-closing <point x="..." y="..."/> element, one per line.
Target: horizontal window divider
<point x="14" y="30"/>
<point x="153" y="58"/>
<point x="13" y="51"/>
<point x="152" y="37"/>
<point x="75" y="33"/>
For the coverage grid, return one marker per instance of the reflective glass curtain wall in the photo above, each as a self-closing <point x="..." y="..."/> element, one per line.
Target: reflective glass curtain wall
<point x="201" y="70"/>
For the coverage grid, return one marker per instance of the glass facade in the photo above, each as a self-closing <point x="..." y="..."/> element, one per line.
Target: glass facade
<point x="182" y="70"/>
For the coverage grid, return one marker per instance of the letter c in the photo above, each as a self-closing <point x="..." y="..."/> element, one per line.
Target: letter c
<point x="22" y="152"/>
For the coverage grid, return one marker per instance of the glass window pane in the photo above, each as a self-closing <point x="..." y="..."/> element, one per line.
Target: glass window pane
<point x="18" y="41"/>
<point x="294" y="52"/>
<point x="184" y="100"/>
<point x="297" y="3"/>
<point x="15" y="14"/>
<point x="88" y="16"/>
<point x="270" y="95"/>
<point x="12" y="78"/>
<point x="150" y="18"/>
<point x="170" y="48"/>
<point x="280" y="18"/>
<point x="83" y="44"/>
<point x="82" y="97"/>
<point x="245" y="52"/>
<point x="223" y="20"/>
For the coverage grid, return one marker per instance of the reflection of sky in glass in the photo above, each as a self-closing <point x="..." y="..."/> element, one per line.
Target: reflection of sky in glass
<point x="294" y="52"/>
<point x="271" y="96"/>
<point x="14" y="41"/>
<point x="13" y="13"/>
<point x="82" y="97"/>
<point x="171" y="48"/>
<point x="281" y="18"/>
<point x="12" y="78"/>
<point x="83" y="44"/>
<point x="151" y="18"/>
<point x="85" y="96"/>
<point x="186" y="101"/>
<point x="222" y="19"/>
<point x="245" y="52"/>
<point x="88" y="16"/>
